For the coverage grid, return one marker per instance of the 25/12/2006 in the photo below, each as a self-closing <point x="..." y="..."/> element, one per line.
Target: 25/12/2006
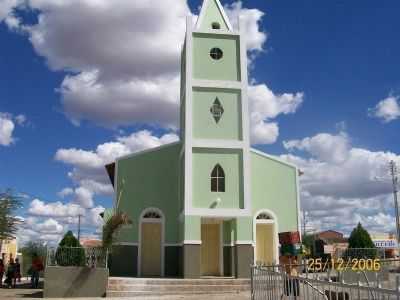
<point x="340" y="264"/>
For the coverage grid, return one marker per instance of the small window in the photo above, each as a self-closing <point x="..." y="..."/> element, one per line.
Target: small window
<point x="216" y="53"/>
<point x="218" y="179"/>
<point x="217" y="110"/>
<point x="215" y="25"/>
<point x="263" y="216"/>
<point x="152" y="215"/>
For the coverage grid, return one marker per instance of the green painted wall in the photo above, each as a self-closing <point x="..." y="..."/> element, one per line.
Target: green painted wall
<point x="192" y="226"/>
<point x="204" y="67"/>
<point x="204" y="160"/>
<point x="244" y="229"/>
<point x="212" y="14"/>
<point x="147" y="180"/>
<point x="273" y="186"/>
<point x="229" y="126"/>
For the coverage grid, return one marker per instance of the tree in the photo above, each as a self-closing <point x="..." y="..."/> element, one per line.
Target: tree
<point x="112" y="226"/>
<point x="360" y="239"/>
<point x="9" y="203"/>
<point x="113" y="222"/>
<point x="70" y="251"/>
<point x="69" y="240"/>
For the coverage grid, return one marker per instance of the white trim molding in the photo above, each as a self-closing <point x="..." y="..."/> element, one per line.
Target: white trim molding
<point x="277" y="159"/>
<point x="126" y="244"/>
<point x="218" y="84"/>
<point x="147" y="150"/>
<point x="244" y="243"/>
<point x="192" y="242"/>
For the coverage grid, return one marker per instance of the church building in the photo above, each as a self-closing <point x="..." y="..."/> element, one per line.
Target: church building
<point x="208" y="205"/>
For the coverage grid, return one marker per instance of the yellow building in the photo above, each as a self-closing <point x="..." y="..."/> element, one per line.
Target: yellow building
<point x="9" y="249"/>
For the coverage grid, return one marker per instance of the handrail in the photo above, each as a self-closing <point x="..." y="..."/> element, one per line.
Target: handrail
<point x="366" y="279"/>
<point x="315" y="289"/>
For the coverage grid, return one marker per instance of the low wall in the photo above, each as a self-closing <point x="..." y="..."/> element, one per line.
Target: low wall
<point x="69" y="282"/>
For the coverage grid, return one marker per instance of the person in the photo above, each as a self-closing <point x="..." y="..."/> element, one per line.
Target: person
<point x="291" y="285"/>
<point x="2" y="268"/>
<point x="17" y="271"/>
<point x="10" y="273"/>
<point x="37" y="266"/>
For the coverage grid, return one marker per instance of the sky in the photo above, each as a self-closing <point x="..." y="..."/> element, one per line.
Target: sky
<point x="85" y="81"/>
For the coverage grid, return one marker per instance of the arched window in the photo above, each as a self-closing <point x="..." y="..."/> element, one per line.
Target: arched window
<point x="215" y="25"/>
<point x="264" y="216"/>
<point x="218" y="179"/>
<point x="152" y="215"/>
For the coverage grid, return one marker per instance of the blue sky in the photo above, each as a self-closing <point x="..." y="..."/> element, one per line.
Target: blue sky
<point x="324" y="73"/>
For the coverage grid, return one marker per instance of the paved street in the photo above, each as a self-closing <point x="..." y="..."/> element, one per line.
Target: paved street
<point x="23" y="290"/>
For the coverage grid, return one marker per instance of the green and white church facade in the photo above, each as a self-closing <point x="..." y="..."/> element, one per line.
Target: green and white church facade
<point x="208" y="205"/>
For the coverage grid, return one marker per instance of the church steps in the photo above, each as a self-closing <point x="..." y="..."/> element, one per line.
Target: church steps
<point x="135" y="287"/>
<point x="173" y="281"/>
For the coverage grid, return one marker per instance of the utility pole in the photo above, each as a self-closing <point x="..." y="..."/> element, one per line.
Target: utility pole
<point x="79" y="227"/>
<point x="304" y="222"/>
<point x="395" y="182"/>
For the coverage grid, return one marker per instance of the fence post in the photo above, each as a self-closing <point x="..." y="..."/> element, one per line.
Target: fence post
<point x="398" y="287"/>
<point x="251" y="281"/>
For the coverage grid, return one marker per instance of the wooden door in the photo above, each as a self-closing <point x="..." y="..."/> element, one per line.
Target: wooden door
<point x="151" y="249"/>
<point x="210" y="249"/>
<point x="265" y="252"/>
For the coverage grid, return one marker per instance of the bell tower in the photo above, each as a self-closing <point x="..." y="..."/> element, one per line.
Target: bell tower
<point x="215" y="117"/>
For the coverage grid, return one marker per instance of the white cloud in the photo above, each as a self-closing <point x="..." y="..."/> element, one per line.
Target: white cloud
<point x="340" y="186"/>
<point x="65" y="192"/>
<point x="255" y="37"/>
<point x="137" y="100"/>
<point x="324" y="146"/>
<point x="84" y="197"/>
<point x="54" y="209"/>
<point x="49" y="221"/>
<point x="7" y="127"/>
<point x="8" y="123"/>
<point x="6" y="7"/>
<point x="50" y="226"/>
<point x="387" y="109"/>
<point x="139" y="74"/>
<point x="265" y="106"/>
<point x="88" y="166"/>
<point x="20" y="119"/>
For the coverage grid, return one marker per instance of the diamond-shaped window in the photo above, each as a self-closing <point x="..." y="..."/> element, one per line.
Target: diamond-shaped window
<point x="217" y="110"/>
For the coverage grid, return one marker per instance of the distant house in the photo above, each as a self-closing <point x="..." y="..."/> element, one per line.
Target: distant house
<point x="90" y="243"/>
<point x="9" y="249"/>
<point x="330" y="242"/>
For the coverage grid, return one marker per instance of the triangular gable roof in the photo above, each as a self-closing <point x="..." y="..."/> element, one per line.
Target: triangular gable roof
<point x="212" y="11"/>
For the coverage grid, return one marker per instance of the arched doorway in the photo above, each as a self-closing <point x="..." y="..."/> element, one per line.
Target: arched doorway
<point x="151" y="243"/>
<point x="266" y="238"/>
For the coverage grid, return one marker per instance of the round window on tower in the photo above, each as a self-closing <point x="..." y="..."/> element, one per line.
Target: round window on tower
<point x="216" y="53"/>
<point x="215" y="25"/>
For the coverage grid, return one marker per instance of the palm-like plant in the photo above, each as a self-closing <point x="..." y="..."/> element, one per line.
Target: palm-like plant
<point x="114" y="222"/>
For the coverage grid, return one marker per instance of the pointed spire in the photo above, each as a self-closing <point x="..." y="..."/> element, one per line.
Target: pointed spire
<point x="212" y="16"/>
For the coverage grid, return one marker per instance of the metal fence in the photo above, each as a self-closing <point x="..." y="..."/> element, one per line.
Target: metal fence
<point x="77" y="256"/>
<point x="274" y="282"/>
<point x="360" y="253"/>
